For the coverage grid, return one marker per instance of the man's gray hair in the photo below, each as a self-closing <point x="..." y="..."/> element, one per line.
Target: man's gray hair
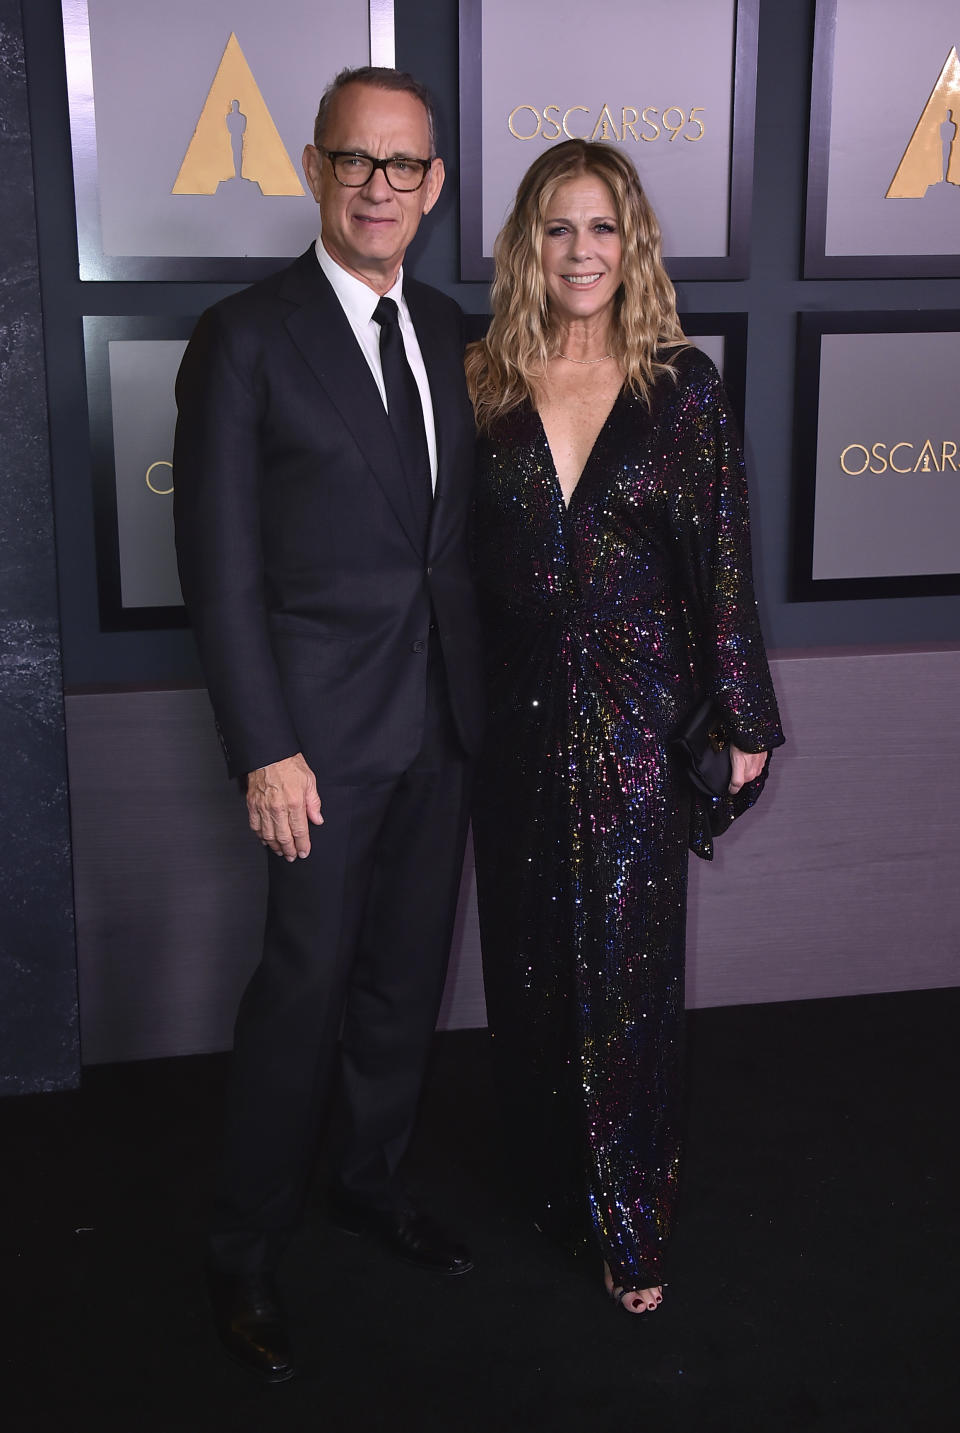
<point x="382" y="79"/>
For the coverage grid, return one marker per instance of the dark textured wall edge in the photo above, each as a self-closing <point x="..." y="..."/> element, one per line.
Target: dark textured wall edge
<point x="39" y="1047"/>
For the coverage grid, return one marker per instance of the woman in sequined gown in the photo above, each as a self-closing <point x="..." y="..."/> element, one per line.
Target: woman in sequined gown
<point x="613" y="562"/>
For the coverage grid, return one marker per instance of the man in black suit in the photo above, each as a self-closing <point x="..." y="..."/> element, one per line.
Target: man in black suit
<point x="323" y="467"/>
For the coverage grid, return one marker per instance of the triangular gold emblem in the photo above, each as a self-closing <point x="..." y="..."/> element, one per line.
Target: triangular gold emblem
<point x="923" y="162"/>
<point x="236" y="136"/>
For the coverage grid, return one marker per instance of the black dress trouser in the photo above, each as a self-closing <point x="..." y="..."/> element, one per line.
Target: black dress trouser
<point x="355" y="953"/>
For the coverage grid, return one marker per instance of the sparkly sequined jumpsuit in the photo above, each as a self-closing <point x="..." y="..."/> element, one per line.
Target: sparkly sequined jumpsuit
<point x="583" y="820"/>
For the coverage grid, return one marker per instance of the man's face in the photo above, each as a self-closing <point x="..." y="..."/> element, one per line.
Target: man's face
<point x="367" y="230"/>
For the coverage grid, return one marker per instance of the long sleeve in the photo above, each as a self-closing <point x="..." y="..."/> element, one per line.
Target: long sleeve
<point x="713" y="541"/>
<point x="218" y="533"/>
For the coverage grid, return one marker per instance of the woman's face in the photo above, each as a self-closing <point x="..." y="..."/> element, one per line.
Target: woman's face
<point x="581" y="249"/>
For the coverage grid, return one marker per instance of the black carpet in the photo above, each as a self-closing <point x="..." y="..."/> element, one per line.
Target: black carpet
<point x="814" y="1283"/>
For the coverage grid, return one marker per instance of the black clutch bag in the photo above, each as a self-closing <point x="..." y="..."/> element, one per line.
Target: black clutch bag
<point x="701" y="744"/>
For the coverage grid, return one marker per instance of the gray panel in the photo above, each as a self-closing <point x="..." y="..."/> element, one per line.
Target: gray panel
<point x="169" y="883"/>
<point x="142" y="377"/>
<point x="839" y="883"/>
<point x="888" y="486"/>
<point x="843" y="881"/>
<point x="152" y="71"/>
<point x="712" y="344"/>
<point x="38" y="982"/>
<point x="654" y="60"/>
<point x="887" y="60"/>
<point x="463" y="1005"/>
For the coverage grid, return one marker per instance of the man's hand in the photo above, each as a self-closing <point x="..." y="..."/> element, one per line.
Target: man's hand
<point x="747" y="765"/>
<point x="282" y="800"/>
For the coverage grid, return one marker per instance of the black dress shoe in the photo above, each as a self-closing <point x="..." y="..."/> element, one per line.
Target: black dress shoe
<point x="248" y="1320"/>
<point x="414" y="1237"/>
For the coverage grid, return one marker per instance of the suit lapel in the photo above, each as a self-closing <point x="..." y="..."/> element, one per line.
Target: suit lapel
<point x="322" y="333"/>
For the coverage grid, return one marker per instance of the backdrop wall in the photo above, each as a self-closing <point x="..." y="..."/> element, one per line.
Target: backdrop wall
<point x="836" y="884"/>
<point x="165" y="922"/>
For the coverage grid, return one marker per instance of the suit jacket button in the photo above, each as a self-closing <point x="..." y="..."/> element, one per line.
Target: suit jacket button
<point x="418" y="646"/>
<point x="429" y="571"/>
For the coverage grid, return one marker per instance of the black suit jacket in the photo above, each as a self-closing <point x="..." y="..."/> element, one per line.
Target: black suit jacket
<point x="310" y="589"/>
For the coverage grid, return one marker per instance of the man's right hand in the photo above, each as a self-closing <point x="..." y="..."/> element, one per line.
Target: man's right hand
<point x="282" y="801"/>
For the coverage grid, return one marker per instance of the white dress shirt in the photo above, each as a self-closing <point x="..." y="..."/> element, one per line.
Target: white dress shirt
<point x="358" y="302"/>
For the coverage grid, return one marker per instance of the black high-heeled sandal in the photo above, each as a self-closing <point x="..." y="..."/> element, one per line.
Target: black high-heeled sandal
<point x="619" y="1294"/>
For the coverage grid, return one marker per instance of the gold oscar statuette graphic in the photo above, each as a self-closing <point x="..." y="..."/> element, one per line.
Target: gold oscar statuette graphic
<point x="933" y="154"/>
<point x="236" y="137"/>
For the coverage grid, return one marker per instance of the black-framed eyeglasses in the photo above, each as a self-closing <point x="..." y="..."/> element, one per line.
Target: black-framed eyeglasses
<point x="356" y="169"/>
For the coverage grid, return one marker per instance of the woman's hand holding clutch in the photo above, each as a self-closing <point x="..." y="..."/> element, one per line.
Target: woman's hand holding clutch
<point x="746" y="766"/>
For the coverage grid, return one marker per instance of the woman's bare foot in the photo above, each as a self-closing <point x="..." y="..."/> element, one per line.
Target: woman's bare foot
<point x="635" y="1301"/>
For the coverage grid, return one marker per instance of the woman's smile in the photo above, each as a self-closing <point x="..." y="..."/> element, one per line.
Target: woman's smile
<point x="581" y="251"/>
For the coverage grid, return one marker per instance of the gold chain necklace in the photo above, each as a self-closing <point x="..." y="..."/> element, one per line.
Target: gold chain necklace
<point x="584" y="362"/>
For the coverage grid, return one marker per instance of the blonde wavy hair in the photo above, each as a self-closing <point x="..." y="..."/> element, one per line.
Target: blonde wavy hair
<point x="504" y="368"/>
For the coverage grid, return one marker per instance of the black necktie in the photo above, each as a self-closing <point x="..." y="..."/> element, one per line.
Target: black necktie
<point x="405" y="409"/>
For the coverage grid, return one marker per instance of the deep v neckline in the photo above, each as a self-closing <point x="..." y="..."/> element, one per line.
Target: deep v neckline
<point x="565" y="506"/>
